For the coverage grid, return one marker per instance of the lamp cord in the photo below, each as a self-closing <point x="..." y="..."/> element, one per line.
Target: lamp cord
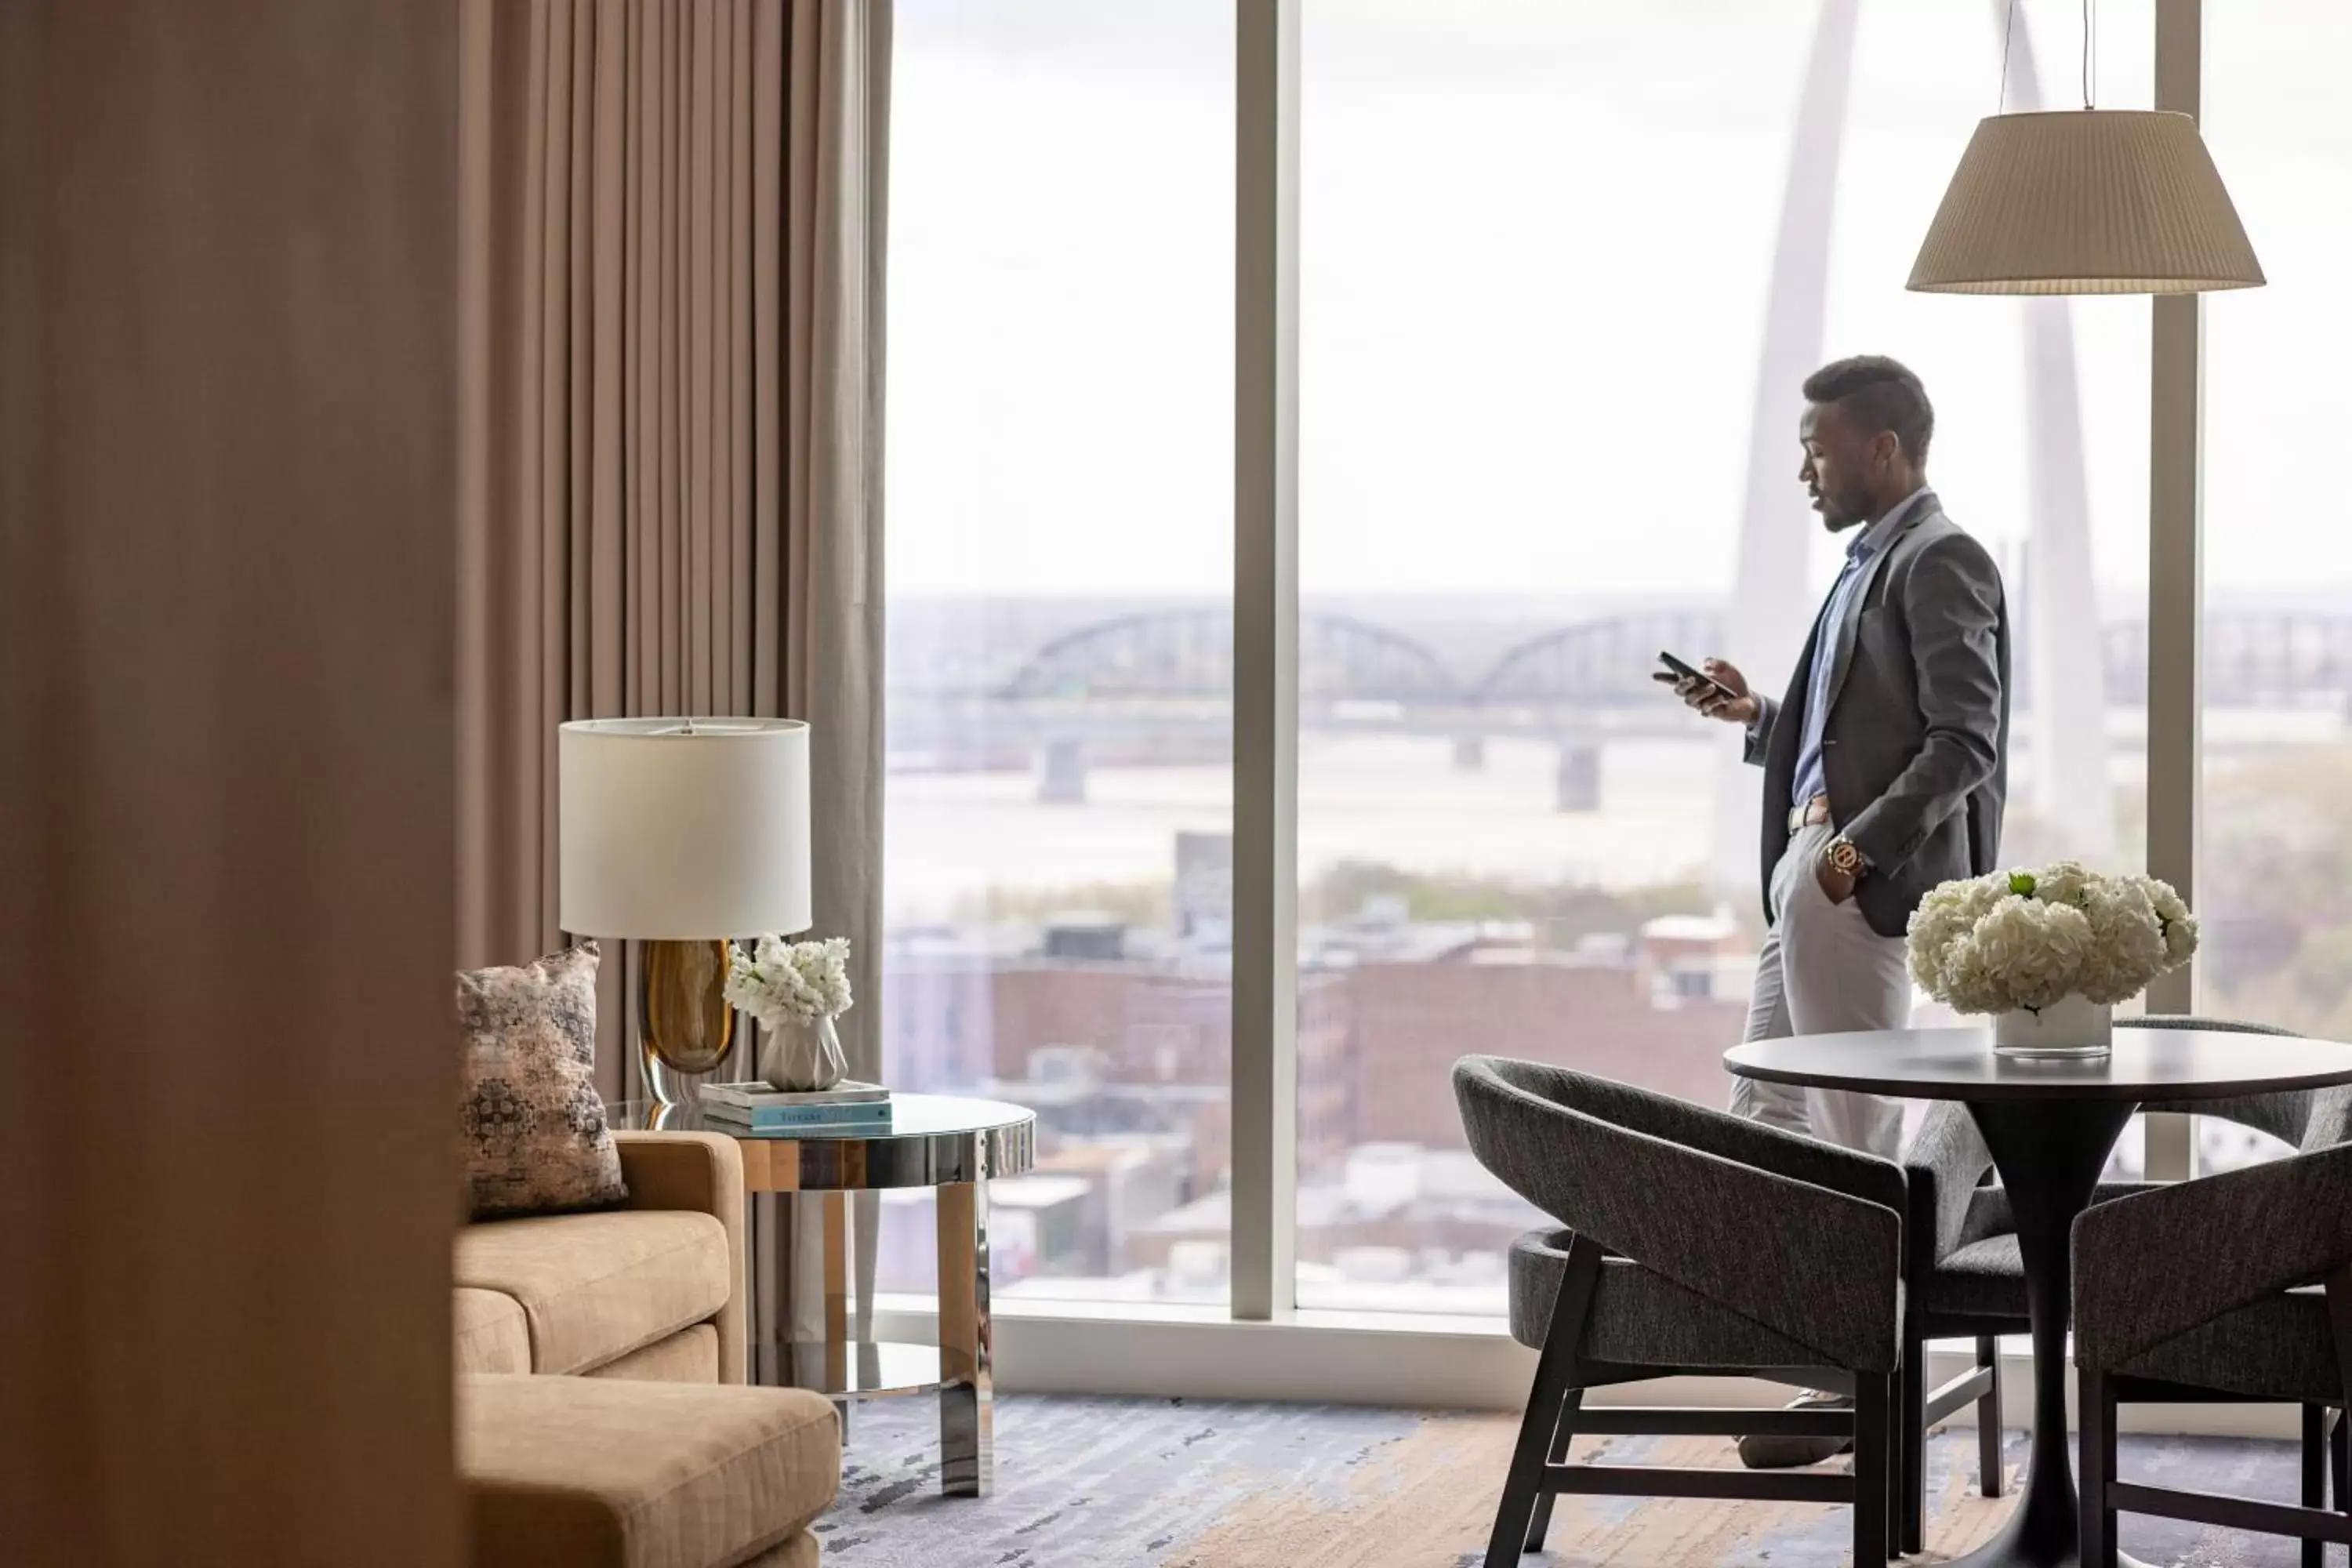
<point x="2089" y="53"/>
<point x="2009" y="32"/>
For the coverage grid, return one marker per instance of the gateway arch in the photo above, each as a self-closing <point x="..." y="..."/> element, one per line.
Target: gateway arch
<point x="2063" y="731"/>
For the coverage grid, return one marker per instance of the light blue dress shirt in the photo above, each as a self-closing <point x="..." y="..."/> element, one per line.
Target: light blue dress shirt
<point x="1812" y="779"/>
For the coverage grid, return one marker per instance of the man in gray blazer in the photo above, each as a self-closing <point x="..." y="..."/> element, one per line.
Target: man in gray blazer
<point x="1886" y="765"/>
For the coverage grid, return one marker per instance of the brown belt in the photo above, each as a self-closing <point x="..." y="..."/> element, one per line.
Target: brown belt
<point x="1812" y="814"/>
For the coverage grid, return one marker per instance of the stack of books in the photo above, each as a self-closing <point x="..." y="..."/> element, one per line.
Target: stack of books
<point x="847" y="1108"/>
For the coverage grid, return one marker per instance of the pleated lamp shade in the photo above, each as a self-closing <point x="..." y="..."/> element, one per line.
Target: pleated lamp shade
<point x="2089" y="201"/>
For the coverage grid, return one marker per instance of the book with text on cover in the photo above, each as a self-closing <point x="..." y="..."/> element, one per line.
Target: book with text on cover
<point x="753" y="1094"/>
<point x="874" y="1115"/>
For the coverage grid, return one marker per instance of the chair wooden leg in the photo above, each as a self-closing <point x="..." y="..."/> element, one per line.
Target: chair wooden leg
<point x="2339" y="1323"/>
<point x="2315" y="1475"/>
<point x="2096" y="1414"/>
<point x="1895" y="1490"/>
<point x="1911" y="1438"/>
<point x="1525" y="1484"/>
<point x="1874" y="1463"/>
<point x="1988" y="1468"/>
<point x="1560" y="1439"/>
<point x="2339" y="1456"/>
<point x="2339" y="1453"/>
<point x="1555" y="1372"/>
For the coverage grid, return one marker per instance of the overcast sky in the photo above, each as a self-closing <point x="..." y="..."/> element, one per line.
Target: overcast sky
<point x="1536" y="239"/>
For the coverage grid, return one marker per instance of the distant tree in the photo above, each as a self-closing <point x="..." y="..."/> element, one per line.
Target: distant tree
<point x="2276" y="899"/>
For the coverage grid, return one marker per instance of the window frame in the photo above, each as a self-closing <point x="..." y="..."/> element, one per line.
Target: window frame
<point x="1353" y="1356"/>
<point x="1265" y="647"/>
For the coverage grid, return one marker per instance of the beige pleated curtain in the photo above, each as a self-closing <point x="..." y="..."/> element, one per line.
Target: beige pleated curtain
<point x="672" y="254"/>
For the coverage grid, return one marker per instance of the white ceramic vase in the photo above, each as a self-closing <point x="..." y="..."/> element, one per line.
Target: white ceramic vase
<point x="2071" y="1027"/>
<point x="799" y="1058"/>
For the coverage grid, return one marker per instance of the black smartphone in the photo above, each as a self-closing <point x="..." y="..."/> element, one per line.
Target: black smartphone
<point x="1677" y="670"/>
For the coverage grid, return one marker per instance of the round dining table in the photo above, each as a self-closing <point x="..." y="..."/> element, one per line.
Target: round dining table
<point x="2050" y="1123"/>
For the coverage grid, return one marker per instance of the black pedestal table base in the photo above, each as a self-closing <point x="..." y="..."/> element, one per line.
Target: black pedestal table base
<point x="2049" y="1154"/>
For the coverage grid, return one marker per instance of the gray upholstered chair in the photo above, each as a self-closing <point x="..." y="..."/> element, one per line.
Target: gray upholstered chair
<point x="1693" y="1241"/>
<point x="2236" y="1286"/>
<point x="1967" y="1281"/>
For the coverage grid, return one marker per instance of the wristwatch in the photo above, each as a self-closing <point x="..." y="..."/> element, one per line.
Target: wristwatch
<point x="1844" y="858"/>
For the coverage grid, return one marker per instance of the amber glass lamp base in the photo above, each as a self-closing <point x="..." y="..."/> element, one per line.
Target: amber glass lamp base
<point x="685" y="1025"/>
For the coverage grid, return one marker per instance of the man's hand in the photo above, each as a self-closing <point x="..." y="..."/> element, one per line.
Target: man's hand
<point x="1739" y="708"/>
<point x="1836" y="886"/>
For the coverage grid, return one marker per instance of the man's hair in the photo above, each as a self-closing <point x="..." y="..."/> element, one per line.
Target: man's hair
<point x="1882" y="394"/>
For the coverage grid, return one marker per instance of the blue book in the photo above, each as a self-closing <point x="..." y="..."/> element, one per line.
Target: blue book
<point x="775" y="1117"/>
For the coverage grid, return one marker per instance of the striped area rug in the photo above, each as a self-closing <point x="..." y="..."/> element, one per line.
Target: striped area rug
<point x="1103" y="1483"/>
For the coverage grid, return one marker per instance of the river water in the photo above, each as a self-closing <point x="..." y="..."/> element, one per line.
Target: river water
<point x="1396" y="800"/>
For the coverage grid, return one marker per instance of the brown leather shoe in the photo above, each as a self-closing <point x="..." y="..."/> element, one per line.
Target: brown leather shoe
<point x="1794" y="1453"/>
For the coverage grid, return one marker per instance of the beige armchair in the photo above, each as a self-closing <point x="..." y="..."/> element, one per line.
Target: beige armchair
<point x="584" y="1471"/>
<point x="653" y="1290"/>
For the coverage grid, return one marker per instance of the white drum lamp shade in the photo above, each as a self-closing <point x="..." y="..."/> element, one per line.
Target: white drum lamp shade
<point x="683" y="830"/>
<point x="2100" y="201"/>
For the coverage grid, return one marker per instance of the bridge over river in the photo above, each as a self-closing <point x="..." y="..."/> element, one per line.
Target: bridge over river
<point x="1155" y="685"/>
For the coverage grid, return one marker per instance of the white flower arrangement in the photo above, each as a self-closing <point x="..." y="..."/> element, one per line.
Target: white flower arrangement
<point x="2023" y="941"/>
<point x="781" y="982"/>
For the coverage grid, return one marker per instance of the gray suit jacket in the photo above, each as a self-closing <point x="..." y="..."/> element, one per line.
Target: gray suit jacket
<point x="1915" y="751"/>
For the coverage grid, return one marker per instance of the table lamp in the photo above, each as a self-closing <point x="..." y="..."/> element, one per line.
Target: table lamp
<point x="681" y="835"/>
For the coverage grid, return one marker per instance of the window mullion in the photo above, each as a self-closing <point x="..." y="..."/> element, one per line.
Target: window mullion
<point x="2175" y="576"/>
<point x="1265" y="659"/>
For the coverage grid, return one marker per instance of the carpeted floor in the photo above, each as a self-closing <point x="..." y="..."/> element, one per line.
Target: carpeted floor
<point x="1103" y="1483"/>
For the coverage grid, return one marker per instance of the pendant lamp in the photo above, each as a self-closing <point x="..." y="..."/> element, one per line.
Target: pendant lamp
<point x="2089" y="201"/>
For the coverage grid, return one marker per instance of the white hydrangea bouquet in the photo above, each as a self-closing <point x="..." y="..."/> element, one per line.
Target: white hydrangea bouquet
<point x="2048" y="953"/>
<point x="796" y="989"/>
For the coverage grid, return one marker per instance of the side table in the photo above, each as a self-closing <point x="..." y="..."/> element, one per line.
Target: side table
<point x="933" y="1140"/>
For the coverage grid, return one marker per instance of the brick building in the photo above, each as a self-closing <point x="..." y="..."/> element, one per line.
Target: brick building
<point x="1622" y="1019"/>
<point x="1125" y="1054"/>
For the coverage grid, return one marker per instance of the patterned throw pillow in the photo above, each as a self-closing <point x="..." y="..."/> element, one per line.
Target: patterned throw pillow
<point x="531" y="1120"/>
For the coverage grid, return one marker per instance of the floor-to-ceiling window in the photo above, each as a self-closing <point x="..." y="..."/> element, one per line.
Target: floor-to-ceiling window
<point x="1548" y="254"/>
<point x="1562" y="265"/>
<point x="2276" y="873"/>
<point x="1058" y="803"/>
